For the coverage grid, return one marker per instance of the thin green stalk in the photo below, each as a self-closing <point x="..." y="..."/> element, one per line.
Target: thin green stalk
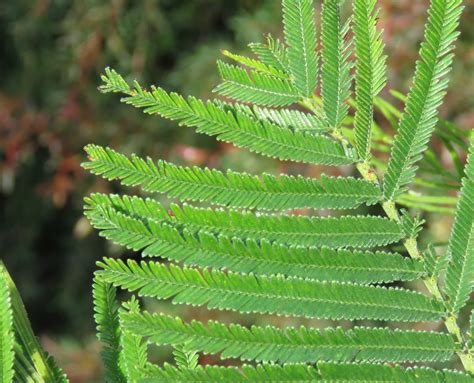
<point x="431" y="284"/>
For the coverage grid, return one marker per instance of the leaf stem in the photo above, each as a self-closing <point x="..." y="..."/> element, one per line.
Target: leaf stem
<point x="431" y="284"/>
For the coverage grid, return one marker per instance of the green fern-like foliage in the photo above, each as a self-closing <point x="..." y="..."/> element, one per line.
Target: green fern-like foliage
<point x="21" y="357"/>
<point x="239" y="242"/>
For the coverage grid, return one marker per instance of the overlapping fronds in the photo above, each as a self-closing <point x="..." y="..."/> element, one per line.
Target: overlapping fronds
<point x="370" y="71"/>
<point x="257" y="256"/>
<point x="285" y="118"/>
<point x="293" y="345"/>
<point x="256" y="64"/>
<point x="434" y="264"/>
<point x="231" y="188"/>
<point x="238" y="128"/>
<point x="31" y="361"/>
<point x="460" y="274"/>
<point x="7" y="338"/>
<point x="133" y="350"/>
<point x="425" y="97"/>
<point x="346" y="231"/>
<point x="185" y="359"/>
<point x="273" y="53"/>
<point x="255" y="87"/>
<point x="324" y="373"/>
<point x="275" y="294"/>
<point x="107" y="320"/>
<point x="268" y="257"/>
<point x="300" y="36"/>
<point x="336" y="64"/>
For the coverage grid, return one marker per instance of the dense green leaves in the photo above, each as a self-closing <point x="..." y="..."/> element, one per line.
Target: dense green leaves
<point x="7" y="339"/>
<point x="273" y="295"/>
<point x="370" y="73"/>
<point x="237" y="127"/>
<point x="259" y="257"/>
<point x="232" y="188"/>
<point x="298" y="264"/>
<point x="425" y="97"/>
<point x="460" y="274"/>
<point x="300" y="36"/>
<point x="293" y="345"/>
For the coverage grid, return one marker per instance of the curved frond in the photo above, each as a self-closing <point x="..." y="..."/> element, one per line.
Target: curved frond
<point x="272" y="295"/>
<point x="7" y="338"/>
<point x="239" y="128"/>
<point x="336" y="66"/>
<point x="231" y="188"/>
<point x="300" y="36"/>
<point x="370" y="71"/>
<point x="425" y="97"/>
<point x="460" y="275"/>
<point x="293" y="345"/>
<point x="257" y="256"/>
<point x="346" y="231"/>
<point x="255" y="87"/>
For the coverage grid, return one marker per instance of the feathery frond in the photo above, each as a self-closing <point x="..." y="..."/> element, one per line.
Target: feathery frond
<point x="300" y="36"/>
<point x="336" y="65"/>
<point x="257" y="256"/>
<point x="425" y="97"/>
<point x="346" y="231"/>
<point x="275" y="294"/>
<point x="238" y="128"/>
<point x="231" y="189"/>
<point x="370" y="71"/>
<point x="133" y="353"/>
<point x="108" y="331"/>
<point x="293" y="345"/>
<point x="460" y="274"/>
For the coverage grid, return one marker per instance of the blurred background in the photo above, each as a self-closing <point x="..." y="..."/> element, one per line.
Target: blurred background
<point x="51" y="55"/>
